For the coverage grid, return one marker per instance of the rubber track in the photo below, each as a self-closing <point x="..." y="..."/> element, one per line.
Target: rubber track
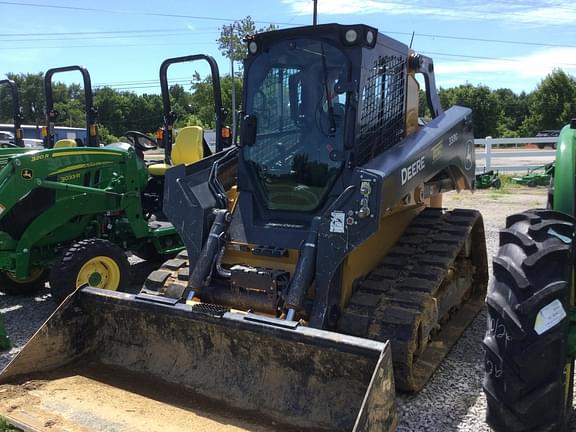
<point x="171" y="279"/>
<point x="426" y="282"/>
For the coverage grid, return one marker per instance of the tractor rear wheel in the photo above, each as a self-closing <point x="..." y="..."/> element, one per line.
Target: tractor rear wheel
<point x="97" y="262"/>
<point x="9" y="284"/>
<point x="529" y="371"/>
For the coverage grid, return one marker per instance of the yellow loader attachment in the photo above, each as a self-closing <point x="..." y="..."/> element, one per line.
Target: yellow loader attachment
<point x="114" y="361"/>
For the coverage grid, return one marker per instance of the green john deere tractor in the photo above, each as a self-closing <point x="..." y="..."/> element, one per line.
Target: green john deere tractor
<point x="530" y="342"/>
<point x="69" y="214"/>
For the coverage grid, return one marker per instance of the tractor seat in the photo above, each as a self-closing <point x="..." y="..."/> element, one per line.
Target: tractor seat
<point x="65" y="143"/>
<point x="186" y="150"/>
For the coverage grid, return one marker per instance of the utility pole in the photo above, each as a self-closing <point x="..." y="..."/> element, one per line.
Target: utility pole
<point x="315" y="16"/>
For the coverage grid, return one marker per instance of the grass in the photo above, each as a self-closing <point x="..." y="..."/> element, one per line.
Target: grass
<point x="7" y="427"/>
<point x="507" y="186"/>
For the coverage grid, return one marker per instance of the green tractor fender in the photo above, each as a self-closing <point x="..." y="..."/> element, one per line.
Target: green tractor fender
<point x="565" y="170"/>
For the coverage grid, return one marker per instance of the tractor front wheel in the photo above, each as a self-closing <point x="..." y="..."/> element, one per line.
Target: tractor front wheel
<point x="10" y="284"/>
<point x="529" y="370"/>
<point x="96" y="262"/>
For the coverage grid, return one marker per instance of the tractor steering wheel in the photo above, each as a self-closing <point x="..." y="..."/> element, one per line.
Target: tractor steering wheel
<point x="141" y="142"/>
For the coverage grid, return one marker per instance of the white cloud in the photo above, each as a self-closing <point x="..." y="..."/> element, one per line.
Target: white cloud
<point x="520" y="73"/>
<point x="542" y="12"/>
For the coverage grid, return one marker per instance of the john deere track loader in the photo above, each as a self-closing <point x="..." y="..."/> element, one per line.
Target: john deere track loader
<point x="320" y="270"/>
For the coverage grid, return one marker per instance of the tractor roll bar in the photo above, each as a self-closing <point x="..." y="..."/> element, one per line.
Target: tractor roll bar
<point x="170" y="116"/>
<point x="52" y="114"/>
<point x="16" y="110"/>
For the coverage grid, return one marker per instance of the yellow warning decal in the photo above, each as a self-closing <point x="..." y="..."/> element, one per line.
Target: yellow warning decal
<point x="82" y="153"/>
<point x="79" y="167"/>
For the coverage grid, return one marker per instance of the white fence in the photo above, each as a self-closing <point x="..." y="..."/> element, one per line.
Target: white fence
<point x="490" y="156"/>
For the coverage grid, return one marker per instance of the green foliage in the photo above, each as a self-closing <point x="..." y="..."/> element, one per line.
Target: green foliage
<point x="230" y="42"/>
<point x="202" y="98"/>
<point x="552" y="104"/>
<point x="31" y="91"/>
<point x="124" y="111"/>
<point x="6" y="427"/>
<point x="105" y="137"/>
<point x="498" y="113"/>
<point x="483" y="102"/>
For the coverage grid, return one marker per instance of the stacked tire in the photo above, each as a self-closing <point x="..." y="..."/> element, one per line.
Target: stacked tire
<point x="528" y="368"/>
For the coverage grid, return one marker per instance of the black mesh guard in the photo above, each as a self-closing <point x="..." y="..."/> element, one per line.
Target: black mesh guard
<point x="210" y="309"/>
<point x="382" y="108"/>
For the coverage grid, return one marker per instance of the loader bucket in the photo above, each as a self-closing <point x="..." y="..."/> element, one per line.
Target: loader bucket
<point x="112" y="361"/>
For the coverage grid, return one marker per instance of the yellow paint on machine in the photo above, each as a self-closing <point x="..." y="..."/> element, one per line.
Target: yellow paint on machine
<point x="240" y="253"/>
<point x="366" y="257"/>
<point x="83" y="153"/>
<point x="79" y="167"/>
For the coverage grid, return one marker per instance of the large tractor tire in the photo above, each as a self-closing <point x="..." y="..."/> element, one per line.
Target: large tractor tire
<point x="97" y="262"/>
<point x="9" y="284"/>
<point x="528" y="368"/>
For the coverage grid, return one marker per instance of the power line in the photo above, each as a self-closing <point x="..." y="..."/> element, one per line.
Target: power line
<point x="169" y="32"/>
<point x="100" y="46"/>
<point x="147" y="81"/>
<point x="495" y="59"/>
<point x="92" y="32"/>
<point x="430" y="12"/>
<point x="129" y="12"/>
<point x="502" y="41"/>
<point x="138" y="36"/>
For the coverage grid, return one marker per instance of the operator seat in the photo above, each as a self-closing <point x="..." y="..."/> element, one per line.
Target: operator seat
<point x="65" y="143"/>
<point x="187" y="149"/>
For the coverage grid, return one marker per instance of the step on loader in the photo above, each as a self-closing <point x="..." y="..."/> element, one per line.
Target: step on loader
<point x="320" y="271"/>
<point x="70" y="212"/>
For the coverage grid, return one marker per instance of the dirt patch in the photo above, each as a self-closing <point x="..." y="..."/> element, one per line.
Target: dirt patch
<point x="495" y="205"/>
<point x="97" y="397"/>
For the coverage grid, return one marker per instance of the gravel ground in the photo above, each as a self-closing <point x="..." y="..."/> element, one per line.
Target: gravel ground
<point x="452" y="401"/>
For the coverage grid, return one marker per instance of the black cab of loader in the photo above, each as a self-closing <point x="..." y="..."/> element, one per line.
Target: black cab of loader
<point x="52" y="114"/>
<point x="329" y="144"/>
<point x="16" y="112"/>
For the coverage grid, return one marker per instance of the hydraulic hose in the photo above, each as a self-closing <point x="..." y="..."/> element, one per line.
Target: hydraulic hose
<point x="304" y="272"/>
<point x="210" y="251"/>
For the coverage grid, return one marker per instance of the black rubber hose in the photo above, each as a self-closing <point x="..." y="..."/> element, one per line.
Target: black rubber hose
<point x="305" y="269"/>
<point x="210" y="250"/>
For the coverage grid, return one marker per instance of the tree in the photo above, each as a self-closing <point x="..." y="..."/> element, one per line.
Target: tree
<point x="481" y="100"/>
<point x="202" y="98"/>
<point x="232" y="46"/>
<point x="513" y="110"/>
<point x="231" y="40"/>
<point x="552" y="104"/>
<point x="31" y="91"/>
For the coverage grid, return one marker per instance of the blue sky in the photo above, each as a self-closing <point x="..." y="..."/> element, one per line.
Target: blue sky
<point x="123" y="42"/>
